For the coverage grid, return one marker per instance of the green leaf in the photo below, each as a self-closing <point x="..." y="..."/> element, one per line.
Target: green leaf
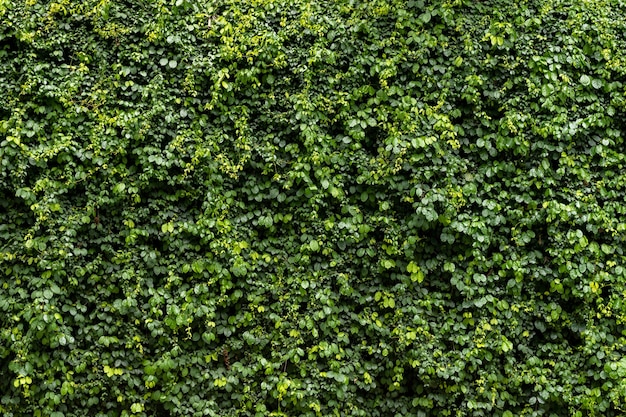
<point x="197" y="266"/>
<point x="119" y="188"/>
<point x="507" y="345"/>
<point x="208" y="337"/>
<point x="388" y="263"/>
<point x="585" y="80"/>
<point x="417" y="277"/>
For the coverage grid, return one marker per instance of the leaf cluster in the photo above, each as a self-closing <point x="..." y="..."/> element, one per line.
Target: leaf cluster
<point x="314" y="208"/>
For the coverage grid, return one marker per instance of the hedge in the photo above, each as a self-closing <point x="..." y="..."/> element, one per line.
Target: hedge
<point x="312" y="208"/>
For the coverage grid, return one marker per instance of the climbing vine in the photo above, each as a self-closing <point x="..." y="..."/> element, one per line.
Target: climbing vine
<point x="312" y="208"/>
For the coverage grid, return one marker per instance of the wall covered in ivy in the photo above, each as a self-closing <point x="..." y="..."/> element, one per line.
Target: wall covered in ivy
<point x="312" y="208"/>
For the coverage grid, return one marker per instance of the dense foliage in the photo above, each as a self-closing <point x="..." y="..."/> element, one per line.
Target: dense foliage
<point x="312" y="208"/>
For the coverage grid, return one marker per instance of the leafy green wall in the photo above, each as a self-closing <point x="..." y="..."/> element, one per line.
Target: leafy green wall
<point x="312" y="208"/>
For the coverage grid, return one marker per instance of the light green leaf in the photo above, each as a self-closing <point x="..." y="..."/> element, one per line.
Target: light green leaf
<point x="585" y="80"/>
<point x="507" y="345"/>
<point x="197" y="266"/>
<point x="119" y="188"/>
